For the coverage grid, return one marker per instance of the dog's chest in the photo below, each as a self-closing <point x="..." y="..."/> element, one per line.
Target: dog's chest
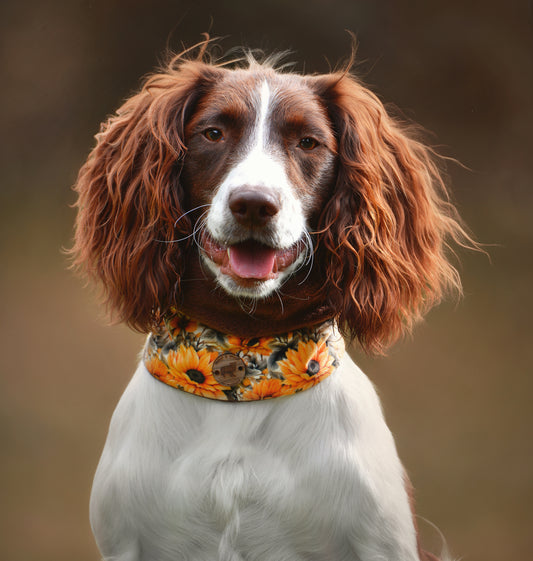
<point x="239" y="460"/>
<point x="304" y="477"/>
<point x="246" y="472"/>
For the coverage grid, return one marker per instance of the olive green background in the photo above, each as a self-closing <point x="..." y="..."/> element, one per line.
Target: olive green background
<point x="458" y="394"/>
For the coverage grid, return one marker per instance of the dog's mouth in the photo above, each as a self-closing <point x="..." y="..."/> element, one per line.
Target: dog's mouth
<point x="250" y="262"/>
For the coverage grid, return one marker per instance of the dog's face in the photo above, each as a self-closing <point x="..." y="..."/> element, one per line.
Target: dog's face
<point x="259" y="164"/>
<point x="299" y="192"/>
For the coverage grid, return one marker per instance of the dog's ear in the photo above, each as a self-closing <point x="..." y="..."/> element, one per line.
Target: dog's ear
<point x="383" y="234"/>
<point x="130" y="202"/>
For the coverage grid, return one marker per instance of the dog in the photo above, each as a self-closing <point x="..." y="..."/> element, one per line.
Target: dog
<point x="244" y="216"/>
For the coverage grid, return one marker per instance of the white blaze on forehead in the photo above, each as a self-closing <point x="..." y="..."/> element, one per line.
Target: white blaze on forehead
<point x="258" y="167"/>
<point x="261" y="123"/>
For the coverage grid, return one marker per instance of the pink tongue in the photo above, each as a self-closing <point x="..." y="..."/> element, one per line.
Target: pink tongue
<point x="251" y="260"/>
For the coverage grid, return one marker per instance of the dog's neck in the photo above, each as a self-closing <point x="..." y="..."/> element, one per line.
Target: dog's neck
<point x="299" y="304"/>
<point x="190" y="356"/>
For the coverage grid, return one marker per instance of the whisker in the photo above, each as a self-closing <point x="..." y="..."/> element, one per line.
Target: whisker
<point x="248" y="310"/>
<point x="188" y="212"/>
<point x="177" y="240"/>
<point x="310" y="258"/>
<point x="292" y="297"/>
<point x="193" y="232"/>
<point x="278" y="294"/>
<point x="202" y="268"/>
<point x="199" y="227"/>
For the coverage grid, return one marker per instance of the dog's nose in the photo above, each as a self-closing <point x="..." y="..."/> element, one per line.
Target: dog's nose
<point x="254" y="205"/>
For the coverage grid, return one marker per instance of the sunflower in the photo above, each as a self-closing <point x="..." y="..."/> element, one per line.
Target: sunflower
<point x="265" y="389"/>
<point x="307" y="366"/>
<point x="182" y="324"/>
<point x="190" y="370"/>
<point x="257" y="345"/>
<point x="156" y="367"/>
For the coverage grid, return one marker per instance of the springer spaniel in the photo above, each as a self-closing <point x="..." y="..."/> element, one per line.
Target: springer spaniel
<point x="242" y="216"/>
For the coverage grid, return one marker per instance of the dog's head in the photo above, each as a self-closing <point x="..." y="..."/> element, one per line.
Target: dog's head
<point x="273" y="182"/>
<point x="260" y="163"/>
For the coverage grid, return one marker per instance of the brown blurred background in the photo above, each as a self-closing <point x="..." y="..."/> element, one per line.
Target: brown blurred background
<point x="458" y="395"/>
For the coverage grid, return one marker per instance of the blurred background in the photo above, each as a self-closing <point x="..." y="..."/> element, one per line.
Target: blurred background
<point x="458" y="394"/>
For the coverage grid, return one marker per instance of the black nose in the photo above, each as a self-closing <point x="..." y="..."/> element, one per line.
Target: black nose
<point x="254" y="205"/>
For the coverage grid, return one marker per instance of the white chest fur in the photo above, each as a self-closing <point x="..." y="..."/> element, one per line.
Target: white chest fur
<point x="314" y="476"/>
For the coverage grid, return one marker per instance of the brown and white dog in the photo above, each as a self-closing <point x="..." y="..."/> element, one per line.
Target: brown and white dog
<point x="258" y="203"/>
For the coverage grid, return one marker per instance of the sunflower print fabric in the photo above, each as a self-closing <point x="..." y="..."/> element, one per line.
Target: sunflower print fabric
<point x="197" y="359"/>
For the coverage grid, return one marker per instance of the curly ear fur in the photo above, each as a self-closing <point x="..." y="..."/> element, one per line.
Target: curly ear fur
<point x="130" y="202"/>
<point x="382" y="235"/>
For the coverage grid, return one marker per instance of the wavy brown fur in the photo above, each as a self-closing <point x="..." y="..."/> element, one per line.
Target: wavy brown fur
<point x="382" y="236"/>
<point x="130" y="197"/>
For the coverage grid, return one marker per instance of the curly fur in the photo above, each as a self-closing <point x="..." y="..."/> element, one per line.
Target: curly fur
<point x="381" y="239"/>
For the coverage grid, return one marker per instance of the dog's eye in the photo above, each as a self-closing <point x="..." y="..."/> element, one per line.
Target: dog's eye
<point x="308" y="143"/>
<point x="213" y="134"/>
